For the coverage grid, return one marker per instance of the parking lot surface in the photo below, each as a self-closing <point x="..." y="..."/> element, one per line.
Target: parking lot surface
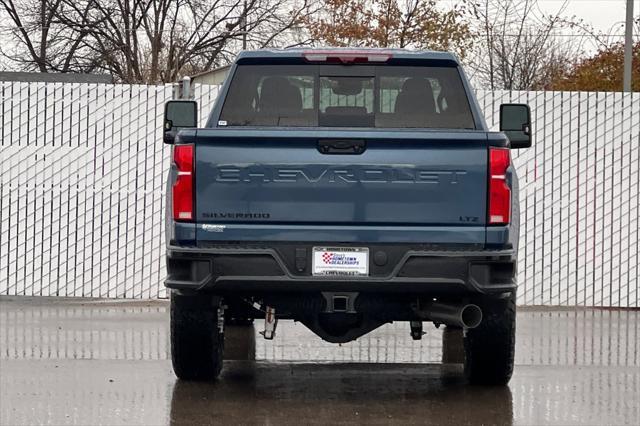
<point x="96" y="362"/>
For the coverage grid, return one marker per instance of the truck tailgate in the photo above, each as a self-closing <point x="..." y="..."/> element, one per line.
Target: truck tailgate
<point x="294" y="177"/>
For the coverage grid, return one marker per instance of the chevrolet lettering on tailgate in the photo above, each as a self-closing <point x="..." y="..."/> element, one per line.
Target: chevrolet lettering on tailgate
<point x="398" y="174"/>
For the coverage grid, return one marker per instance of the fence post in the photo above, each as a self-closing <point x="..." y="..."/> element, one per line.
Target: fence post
<point x="186" y="88"/>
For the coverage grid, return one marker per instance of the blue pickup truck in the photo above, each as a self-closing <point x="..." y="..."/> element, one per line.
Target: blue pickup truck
<point x="344" y="189"/>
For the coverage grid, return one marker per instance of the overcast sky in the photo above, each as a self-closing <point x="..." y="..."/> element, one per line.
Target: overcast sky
<point x="602" y="14"/>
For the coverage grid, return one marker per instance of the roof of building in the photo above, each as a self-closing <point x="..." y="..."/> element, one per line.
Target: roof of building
<point x="55" y="77"/>
<point x="218" y="69"/>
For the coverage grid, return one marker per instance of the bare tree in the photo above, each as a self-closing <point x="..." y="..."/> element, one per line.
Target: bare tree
<point x="149" y="41"/>
<point x="35" y="40"/>
<point x="158" y="40"/>
<point x="518" y="47"/>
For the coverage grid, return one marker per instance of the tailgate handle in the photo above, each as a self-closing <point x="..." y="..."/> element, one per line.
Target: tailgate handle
<point x="341" y="146"/>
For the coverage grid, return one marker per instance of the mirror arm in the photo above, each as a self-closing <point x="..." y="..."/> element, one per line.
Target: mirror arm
<point x="169" y="136"/>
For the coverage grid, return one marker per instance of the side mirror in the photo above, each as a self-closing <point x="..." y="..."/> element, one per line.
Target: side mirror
<point x="179" y="115"/>
<point x="515" y="122"/>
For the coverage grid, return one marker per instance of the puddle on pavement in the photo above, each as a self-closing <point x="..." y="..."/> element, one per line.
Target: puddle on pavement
<point x="64" y="363"/>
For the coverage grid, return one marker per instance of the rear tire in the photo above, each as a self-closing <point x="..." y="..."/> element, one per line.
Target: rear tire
<point x="197" y="336"/>
<point x="490" y="347"/>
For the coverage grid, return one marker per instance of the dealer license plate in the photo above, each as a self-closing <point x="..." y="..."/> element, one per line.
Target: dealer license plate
<point x="341" y="261"/>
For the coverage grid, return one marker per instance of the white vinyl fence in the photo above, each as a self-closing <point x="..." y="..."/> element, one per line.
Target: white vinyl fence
<point x="82" y="181"/>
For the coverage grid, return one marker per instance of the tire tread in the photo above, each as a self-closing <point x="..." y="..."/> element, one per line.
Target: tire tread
<point x="196" y="342"/>
<point x="490" y="348"/>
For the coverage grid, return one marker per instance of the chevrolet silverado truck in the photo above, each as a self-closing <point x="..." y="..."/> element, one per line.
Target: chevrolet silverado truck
<point x="344" y="189"/>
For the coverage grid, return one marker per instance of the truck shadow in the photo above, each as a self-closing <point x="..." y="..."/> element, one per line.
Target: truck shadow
<point x="251" y="392"/>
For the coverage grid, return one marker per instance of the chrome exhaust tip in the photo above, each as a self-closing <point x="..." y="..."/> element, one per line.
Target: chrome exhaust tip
<point x="471" y="316"/>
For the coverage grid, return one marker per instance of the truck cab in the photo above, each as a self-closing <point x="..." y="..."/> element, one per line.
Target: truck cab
<point x="344" y="189"/>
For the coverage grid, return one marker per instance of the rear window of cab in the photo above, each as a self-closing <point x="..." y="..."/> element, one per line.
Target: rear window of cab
<point x="347" y="96"/>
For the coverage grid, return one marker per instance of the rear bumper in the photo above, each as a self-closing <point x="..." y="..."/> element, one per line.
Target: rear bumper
<point x="256" y="268"/>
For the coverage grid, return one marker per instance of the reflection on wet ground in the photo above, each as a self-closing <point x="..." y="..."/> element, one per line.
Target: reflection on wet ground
<point x="71" y="362"/>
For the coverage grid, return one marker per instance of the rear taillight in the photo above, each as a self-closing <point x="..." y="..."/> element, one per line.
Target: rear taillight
<point x="183" y="187"/>
<point x="499" y="191"/>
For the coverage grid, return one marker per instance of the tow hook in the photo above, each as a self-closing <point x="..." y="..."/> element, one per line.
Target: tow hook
<point x="270" y="323"/>
<point x="416" y="330"/>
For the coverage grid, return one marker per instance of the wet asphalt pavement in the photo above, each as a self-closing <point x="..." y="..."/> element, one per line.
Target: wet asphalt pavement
<point x="85" y="363"/>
